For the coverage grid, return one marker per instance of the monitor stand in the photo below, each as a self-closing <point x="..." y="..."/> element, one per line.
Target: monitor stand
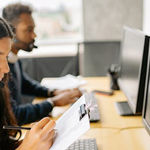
<point x="123" y="109"/>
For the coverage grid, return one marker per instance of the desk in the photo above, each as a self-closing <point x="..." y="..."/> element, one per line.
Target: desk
<point x="109" y="116"/>
<point x="108" y="139"/>
<point x="115" y="132"/>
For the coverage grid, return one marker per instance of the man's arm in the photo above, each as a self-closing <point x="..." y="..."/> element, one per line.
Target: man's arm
<point x="32" y="112"/>
<point x="28" y="113"/>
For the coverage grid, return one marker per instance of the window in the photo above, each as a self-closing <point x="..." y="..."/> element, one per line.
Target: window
<point x="55" y="19"/>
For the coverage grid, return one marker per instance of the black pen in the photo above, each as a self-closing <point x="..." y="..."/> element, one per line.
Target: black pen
<point x="16" y="128"/>
<point x="103" y="92"/>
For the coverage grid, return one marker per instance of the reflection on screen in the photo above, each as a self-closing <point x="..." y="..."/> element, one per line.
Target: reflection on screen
<point x="131" y="58"/>
<point x="147" y="116"/>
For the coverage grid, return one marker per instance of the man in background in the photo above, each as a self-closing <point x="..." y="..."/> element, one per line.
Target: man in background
<point x="19" y="16"/>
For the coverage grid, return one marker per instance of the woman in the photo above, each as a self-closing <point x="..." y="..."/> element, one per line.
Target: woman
<point x="42" y="133"/>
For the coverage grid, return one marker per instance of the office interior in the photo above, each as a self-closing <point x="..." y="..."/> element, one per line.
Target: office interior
<point x="101" y="26"/>
<point x="90" y="54"/>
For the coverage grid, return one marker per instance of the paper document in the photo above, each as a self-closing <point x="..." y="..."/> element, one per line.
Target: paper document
<point x="66" y="82"/>
<point x="69" y="127"/>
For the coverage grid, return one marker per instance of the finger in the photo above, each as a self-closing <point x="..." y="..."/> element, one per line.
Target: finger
<point x="48" y="127"/>
<point x="75" y="94"/>
<point x="50" y="142"/>
<point x="75" y="91"/>
<point x="66" y="90"/>
<point x="41" y="124"/>
<point x="51" y="138"/>
<point x="51" y="135"/>
<point x="70" y="101"/>
<point x="55" y="135"/>
<point x="78" y="91"/>
<point x="32" y="124"/>
<point x="27" y="134"/>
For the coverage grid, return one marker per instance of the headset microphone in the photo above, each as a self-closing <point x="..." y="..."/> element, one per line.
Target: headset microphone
<point x="2" y="84"/>
<point x="34" y="46"/>
<point x="25" y="46"/>
<point x="31" y="46"/>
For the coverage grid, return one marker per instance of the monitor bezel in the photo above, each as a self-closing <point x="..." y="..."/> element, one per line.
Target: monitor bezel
<point x="137" y="106"/>
<point x="146" y="124"/>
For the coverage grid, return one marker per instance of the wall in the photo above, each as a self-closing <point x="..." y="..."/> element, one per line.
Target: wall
<point x="98" y="56"/>
<point x="103" y="21"/>
<point x="146" y="16"/>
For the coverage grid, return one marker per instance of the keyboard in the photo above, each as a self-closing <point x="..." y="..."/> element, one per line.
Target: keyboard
<point x="94" y="109"/>
<point x="83" y="144"/>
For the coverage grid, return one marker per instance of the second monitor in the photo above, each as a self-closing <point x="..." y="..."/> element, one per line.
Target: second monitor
<point x="133" y="61"/>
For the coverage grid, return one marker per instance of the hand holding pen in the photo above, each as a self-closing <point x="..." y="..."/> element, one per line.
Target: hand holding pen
<point x="40" y="136"/>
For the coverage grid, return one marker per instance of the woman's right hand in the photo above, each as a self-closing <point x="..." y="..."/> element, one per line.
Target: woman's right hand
<point x="40" y="137"/>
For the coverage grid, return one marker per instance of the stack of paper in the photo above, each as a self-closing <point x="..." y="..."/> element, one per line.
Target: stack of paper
<point x="66" y="82"/>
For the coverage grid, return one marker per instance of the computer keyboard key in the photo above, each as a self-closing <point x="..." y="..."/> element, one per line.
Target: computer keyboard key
<point x="91" y="101"/>
<point x="83" y="144"/>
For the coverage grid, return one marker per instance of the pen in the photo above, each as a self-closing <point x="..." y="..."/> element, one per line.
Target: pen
<point x="103" y="92"/>
<point x="16" y="128"/>
<point x="19" y="128"/>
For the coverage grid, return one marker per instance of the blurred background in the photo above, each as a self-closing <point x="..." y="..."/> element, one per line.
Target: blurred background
<point x="80" y="37"/>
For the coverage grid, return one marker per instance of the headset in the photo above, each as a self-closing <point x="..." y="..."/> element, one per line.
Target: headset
<point x="29" y="47"/>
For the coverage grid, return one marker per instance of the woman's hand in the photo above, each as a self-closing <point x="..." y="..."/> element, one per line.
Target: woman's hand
<point x="40" y="137"/>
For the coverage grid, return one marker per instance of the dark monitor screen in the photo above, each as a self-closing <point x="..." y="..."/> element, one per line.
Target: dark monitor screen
<point x="146" y="110"/>
<point x="133" y="61"/>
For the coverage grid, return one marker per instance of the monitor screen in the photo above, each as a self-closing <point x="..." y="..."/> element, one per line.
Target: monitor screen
<point x="133" y="61"/>
<point x="146" y="110"/>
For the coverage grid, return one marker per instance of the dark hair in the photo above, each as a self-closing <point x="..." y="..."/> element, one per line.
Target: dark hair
<point x="7" y="141"/>
<point x="6" y="114"/>
<point x="5" y="29"/>
<point x="12" y="12"/>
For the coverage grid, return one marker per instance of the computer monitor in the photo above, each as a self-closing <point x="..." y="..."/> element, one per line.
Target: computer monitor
<point x="146" y="107"/>
<point x="133" y="61"/>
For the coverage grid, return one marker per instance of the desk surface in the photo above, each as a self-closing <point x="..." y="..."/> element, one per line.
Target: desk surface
<point x="109" y="115"/>
<point x="115" y="132"/>
<point x="109" y="139"/>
